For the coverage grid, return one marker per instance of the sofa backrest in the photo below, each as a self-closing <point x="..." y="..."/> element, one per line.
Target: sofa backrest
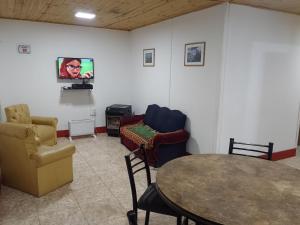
<point x="163" y="120"/>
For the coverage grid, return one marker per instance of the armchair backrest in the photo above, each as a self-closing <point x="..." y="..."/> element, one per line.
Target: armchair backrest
<point x="18" y="114"/>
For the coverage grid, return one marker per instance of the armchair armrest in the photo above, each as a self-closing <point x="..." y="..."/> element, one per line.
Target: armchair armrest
<point x="17" y="130"/>
<point x="126" y="120"/>
<point x="171" y="137"/>
<point x="51" y="121"/>
<point x="49" y="154"/>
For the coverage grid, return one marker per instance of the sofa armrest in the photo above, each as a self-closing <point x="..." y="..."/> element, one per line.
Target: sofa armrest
<point x="40" y="120"/>
<point x="171" y="137"/>
<point x="126" y="120"/>
<point x="49" y="154"/>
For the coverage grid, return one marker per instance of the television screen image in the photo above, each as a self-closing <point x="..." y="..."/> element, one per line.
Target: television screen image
<point x="75" y="68"/>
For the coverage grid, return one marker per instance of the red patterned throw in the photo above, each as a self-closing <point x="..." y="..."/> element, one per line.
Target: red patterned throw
<point x="139" y="134"/>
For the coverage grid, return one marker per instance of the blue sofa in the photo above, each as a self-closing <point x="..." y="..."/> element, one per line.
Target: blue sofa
<point x="160" y="129"/>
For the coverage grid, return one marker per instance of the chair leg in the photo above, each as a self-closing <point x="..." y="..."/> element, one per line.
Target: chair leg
<point x="178" y="220"/>
<point x="132" y="217"/>
<point x="147" y="218"/>
<point x="185" y="221"/>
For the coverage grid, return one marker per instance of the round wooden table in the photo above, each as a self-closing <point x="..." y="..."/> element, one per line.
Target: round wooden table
<point x="231" y="190"/>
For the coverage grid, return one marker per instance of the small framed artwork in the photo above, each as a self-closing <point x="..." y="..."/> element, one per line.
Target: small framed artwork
<point x="194" y="54"/>
<point x="149" y="57"/>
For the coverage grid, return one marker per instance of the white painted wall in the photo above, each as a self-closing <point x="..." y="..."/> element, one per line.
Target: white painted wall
<point x="260" y="101"/>
<point x="151" y="84"/>
<point x="247" y="89"/>
<point x="193" y="90"/>
<point x="32" y="79"/>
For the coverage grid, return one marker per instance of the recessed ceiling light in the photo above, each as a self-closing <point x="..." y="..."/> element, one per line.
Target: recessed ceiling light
<point x="85" y="15"/>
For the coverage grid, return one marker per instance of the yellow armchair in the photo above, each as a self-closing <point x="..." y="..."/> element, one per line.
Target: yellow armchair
<point x="44" y="127"/>
<point x="30" y="167"/>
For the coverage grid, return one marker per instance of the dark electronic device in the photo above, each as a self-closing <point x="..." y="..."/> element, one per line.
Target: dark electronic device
<point x="114" y="113"/>
<point x="82" y="86"/>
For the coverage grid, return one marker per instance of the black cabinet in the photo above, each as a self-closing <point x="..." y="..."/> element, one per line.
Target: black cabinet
<point x="113" y="114"/>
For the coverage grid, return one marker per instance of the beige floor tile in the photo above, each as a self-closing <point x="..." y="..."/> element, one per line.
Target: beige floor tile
<point x="58" y="200"/>
<point x="16" y="204"/>
<point x="159" y="219"/>
<point x="78" y="159"/>
<point x="108" y="175"/>
<point x="92" y="193"/>
<point x="83" y="179"/>
<point x="21" y="211"/>
<point x="82" y="167"/>
<point x="28" y="220"/>
<point x="118" y="221"/>
<point x="126" y="202"/>
<point x="293" y="162"/>
<point x="67" y="216"/>
<point x="101" y="211"/>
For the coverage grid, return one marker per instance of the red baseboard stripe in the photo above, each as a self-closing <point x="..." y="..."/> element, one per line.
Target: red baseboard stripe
<point x="62" y="133"/>
<point x="65" y="133"/>
<point x="100" y="129"/>
<point x="284" y="154"/>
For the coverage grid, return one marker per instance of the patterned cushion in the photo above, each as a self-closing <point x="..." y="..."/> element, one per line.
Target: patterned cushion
<point x="140" y="134"/>
<point x="160" y="118"/>
<point x="164" y="120"/>
<point x="150" y="115"/>
<point x="174" y="121"/>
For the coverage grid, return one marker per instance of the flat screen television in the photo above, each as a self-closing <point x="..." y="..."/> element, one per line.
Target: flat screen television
<point x="75" y="68"/>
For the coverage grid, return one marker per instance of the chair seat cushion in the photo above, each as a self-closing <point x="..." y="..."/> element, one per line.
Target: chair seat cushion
<point x="151" y="200"/>
<point x="44" y="132"/>
<point x="140" y="134"/>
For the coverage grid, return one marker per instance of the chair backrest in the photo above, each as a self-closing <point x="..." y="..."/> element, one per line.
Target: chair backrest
<point x="134" y="165"/>
<point x="18" y="114"/>
<point x="237" y="148"/>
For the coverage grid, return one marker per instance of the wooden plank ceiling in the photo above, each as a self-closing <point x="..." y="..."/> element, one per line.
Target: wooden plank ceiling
<point x="121" y="14"/>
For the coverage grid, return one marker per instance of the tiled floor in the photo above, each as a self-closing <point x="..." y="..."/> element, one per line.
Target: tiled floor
<point x="294" y="161"/>
<point x="99" y="194"/>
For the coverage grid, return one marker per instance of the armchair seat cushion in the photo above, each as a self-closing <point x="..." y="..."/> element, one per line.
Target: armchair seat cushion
<point x="49" y="154"/>
<point x="140" y="134"/>
<point x="44" y="132"/>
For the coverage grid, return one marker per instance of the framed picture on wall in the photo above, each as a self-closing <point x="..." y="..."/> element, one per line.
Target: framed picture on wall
<point x="194" y="54"/>
<point x="149" y="57"/>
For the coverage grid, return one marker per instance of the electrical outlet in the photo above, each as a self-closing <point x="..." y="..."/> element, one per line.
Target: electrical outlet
<point x="93" y="112"/>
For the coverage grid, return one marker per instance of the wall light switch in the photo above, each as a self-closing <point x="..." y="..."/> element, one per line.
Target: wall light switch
<point x="24" y="48"/>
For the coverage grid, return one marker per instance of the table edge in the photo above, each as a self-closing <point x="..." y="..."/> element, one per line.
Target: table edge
<point x="184" y="212"/>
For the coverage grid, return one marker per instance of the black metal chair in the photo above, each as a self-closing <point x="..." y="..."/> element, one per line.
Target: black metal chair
<point x="237" y="148"/>
<point x="150" y="200"/>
